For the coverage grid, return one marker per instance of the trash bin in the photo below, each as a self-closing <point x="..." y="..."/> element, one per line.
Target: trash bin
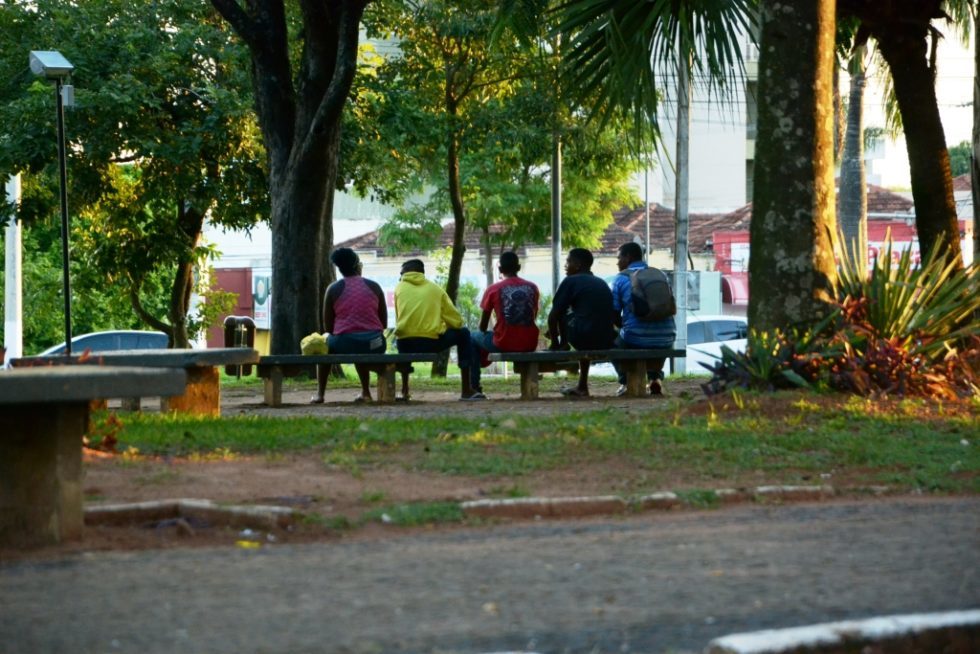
<point x="239" y="332"/>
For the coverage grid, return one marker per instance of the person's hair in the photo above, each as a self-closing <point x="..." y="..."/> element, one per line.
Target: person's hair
<point x="581" y="256"/>
<point x="631" y="251"/>
<point x="509" y="263"/>
<point x="413" y="265"/>
<point x="346" y="261"/>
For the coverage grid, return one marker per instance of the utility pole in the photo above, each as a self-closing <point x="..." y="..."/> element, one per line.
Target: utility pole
<point x="556" y="213"/>
<point x="13" y="323"/>
<point x="681" y="202"/>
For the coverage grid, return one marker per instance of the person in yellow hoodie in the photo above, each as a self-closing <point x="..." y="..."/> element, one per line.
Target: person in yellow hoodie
<point x="427" y="321"/>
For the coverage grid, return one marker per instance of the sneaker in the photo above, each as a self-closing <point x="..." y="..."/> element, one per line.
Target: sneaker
<point x="621" y="391"/>
<point x="475" y="397"/>
<point x="656" y="388"/>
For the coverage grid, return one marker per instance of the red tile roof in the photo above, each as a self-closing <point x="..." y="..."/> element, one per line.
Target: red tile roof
<point x="628" y="224"/>
<point x="961" y="183"/>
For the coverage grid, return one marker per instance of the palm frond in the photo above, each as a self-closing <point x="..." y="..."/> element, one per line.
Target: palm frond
<point x="613" y="47"/>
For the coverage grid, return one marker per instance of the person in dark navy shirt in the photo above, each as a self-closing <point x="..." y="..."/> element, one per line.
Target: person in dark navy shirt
<point x="581" y="314"/>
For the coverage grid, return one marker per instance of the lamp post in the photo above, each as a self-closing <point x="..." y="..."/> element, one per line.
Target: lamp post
<point x="53" y="66"/>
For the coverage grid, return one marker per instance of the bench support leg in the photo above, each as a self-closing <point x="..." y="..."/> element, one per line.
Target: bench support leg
<point x="636" y="378"/>
<point x="273" y="387"/>
<point x="41" y="473"/>
<point x="386" y="383"/>
<point x="529" y="379"/>
<point x="203" y="394"/>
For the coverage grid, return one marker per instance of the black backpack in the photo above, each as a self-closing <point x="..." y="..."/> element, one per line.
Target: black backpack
<point x="651" y="297"/>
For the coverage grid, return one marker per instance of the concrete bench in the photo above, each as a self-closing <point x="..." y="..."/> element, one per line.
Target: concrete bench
<point x="203" y="394"/>
<point x="43" y="416"/>
<point x="530" y="364"/>
<point x="275" y="367"/>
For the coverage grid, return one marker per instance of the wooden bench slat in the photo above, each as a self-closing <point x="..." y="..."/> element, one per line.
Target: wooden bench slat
<point x="332" y="359"/>
<point x="542" y="356"/>
<point x="273" y="368"/>
<point x="530" y="364"/>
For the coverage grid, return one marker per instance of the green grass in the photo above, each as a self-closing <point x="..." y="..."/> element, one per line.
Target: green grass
<point x="415" y="514"/>
<point x="906" y="446"/>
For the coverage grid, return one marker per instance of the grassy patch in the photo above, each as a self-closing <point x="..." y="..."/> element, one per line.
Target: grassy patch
<point x="416" y="514"/>
<point x="789" y="439"/>
<point x="699" y="498"/>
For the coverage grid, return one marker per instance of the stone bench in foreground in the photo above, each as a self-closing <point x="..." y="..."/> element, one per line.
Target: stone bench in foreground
<point x="43" y="416"/>
<point x="203" y="394"/>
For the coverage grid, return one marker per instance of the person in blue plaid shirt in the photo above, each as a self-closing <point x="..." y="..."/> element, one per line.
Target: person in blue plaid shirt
<point x="634" y="332"/>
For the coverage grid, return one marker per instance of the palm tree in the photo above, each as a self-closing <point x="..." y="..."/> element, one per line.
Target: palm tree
<point x="853" y="197"/>
<point x="903" y="30"/>
<point x="611" y="46"/>
<point x="791" y="263"/>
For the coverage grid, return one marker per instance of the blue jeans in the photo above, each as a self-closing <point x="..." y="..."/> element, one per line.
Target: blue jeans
<point x="466" y="355"/>
<point x="484" y="341"/>
<point x="625" y="345"/>
<point x="357" y="343"/>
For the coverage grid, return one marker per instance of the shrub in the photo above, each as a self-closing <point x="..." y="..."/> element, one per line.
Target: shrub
<point x="901" y="329"/>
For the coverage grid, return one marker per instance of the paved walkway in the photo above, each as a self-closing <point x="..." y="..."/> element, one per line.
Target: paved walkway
<point x="651" y="583"/>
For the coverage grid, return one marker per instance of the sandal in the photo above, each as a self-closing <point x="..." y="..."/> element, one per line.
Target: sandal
<point x="360" y="399"/>
<point x="403" y="398"/>
<point x="574" y="392"/>
<point x="316" y="399"/>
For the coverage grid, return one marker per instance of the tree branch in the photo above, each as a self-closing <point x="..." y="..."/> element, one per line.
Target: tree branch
<point x="244" y="25"/>
<point x="144" y="315"/>
<point x="332" y="104"/>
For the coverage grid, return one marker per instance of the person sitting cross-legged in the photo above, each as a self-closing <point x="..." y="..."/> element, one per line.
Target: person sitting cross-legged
<point x="427" y="321"/>
<point x="581" y="315"/>
<point x="636" y="332"/>
<point x="513" y="304"/>
<point x="354" y="314"/>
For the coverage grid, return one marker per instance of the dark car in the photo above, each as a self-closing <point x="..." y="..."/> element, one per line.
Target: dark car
<point x="121" y="339"/>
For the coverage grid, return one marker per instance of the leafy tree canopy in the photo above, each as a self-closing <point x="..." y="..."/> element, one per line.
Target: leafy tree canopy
<point x="161" y="136"/>
<point x="508" y="112"/>
<point x="959" y="158"/>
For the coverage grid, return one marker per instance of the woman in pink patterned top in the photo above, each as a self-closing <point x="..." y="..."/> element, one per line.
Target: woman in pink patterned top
<point x="355" y="315"/>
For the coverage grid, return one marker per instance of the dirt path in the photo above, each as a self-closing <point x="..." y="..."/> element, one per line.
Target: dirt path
<point x="652" y="583"/>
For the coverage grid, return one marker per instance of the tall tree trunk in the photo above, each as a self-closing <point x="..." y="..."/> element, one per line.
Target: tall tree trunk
<point x="459" y="215"/>
<point x="487" y="256"/>
<point x="791" y="265"/>
<point x="975" y="159"/>
<point x="904" y="47"/>
<point x="297" y="207"/>
<point x="300" y="119"/>
<point x="853" y="187"/>
<point x="459" y="219"/>
<point x="190" y="222"/>
<point x="327" y="275"/>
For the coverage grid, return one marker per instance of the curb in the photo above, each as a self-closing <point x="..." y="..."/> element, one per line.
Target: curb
<point x="255" y="516"/>
<point x="571" y="507"/>
<point x="954" y="632"/>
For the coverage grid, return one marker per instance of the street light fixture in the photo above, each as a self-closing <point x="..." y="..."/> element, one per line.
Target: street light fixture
<point x="53" y="66"/>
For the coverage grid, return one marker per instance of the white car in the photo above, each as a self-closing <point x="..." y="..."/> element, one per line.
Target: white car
<point x="706" y="335"/>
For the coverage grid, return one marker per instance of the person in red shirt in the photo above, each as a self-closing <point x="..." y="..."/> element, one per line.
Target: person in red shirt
<point x="513" y="303"/>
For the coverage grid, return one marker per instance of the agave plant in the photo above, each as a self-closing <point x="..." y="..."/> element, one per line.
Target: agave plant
<point x="931" y="307"/>
<point x="902" y="329"/>
<point x="771" y="361"/>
